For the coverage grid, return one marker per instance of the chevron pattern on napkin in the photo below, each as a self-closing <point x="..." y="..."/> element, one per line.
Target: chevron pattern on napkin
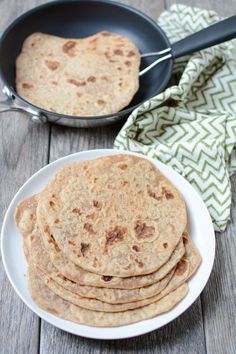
<point x="191" y="126"/>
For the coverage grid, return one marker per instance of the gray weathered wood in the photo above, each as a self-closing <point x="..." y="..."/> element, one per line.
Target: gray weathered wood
<point x="209" y="326"/>
<point x="23" y="150"/>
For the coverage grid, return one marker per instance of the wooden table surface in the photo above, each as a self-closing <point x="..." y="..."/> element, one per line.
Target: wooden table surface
<point x="208" y="326"/>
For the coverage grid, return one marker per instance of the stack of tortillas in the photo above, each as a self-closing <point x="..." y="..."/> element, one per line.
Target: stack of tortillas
<point x="106" y="242"/>
<point x="80" y="77"/>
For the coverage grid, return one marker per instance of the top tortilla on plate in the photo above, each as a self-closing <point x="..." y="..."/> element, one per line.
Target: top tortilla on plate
<point x="91" y="76"/>
<point x="114" y="216"/>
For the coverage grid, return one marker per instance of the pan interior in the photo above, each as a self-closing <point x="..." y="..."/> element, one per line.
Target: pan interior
<point x="78" y="19"/>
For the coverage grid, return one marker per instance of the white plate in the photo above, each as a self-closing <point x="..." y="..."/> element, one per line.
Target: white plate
<point x="200" y="227"/>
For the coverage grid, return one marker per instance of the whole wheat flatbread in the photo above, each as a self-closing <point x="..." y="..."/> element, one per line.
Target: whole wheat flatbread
<point x="51" y="302"/>
<point x="65" y="268"/>
<point x="91" y="76"/>
<point x="178" y="277"/>
<point x="114" y="216"/>
<point x="42" y="261"/>
<point x="184" y="270"/>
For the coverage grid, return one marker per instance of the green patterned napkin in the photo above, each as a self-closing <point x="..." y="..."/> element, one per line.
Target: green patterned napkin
<point x="191" y="126"/>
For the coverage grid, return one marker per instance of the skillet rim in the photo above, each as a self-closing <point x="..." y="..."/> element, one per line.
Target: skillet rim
<point x="123" y="112"/>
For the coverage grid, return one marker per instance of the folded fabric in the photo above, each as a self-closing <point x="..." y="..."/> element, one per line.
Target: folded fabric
<point x="191" y="126"/>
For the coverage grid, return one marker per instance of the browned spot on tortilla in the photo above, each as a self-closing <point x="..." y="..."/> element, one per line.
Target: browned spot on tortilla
<point x="115" y="235"/>
<point x="76" y="83"/>
<point x="131" y="53"/>
<point x="68" y="48"/>
<point x="107" y="277"/>
<point x="95" y="262"/>
<point x="46" y="229"/>
<point x="52" y="65"/>
<point x="32" y="44"/>
<point x="143" y="231"/>
<point x="96" y="204"/>
<point x="53" y="242"/>
<point x="165" y="244"/>
<point x="153" y="194"/>
<point x="90" y="216"/>
<point x="185" y="238"/>
<point x="54" y="83"/>
<point x="56" y="221"/>
<point x="135" y="248"/>
<point x="104" y="78"/>
<point x="91" y="79"/>
<point x="27" y="86"/>
<point x="49" y="280"/>
<point x="140" y="264"/>
<point x="118" y="52"/>
<point x="128" y="63"/>
<point x="76" y="211"/>
<point x="181" y="268"/>
<point x="105" y="34"/>
<point x="101" y="102"/>
<point x="66" y="279"/>
<point x="127" y="267"/>
<point x="50" y="309"/>
<point x="71" y="242"/>
<point x="51" y="203"/>
<point x="89" y="227"/>
<point x="123" y="166"/>
<point x="169" y="195"/>
<point x="125" y="183"/>
<point x="84" y="247"/>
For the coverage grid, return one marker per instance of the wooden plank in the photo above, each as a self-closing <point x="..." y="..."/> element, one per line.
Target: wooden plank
<point x="23" y="150"/>
<point x="185" y="334"/>
<point x="218" y="298"/>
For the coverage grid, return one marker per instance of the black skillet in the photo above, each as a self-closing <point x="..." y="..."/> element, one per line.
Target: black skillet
<point x="77" y="19"/>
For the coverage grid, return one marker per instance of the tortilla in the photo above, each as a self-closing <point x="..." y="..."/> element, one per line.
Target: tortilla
<point x="51" y="302"/>
<point x="41" y="260"/>
<point x="91" y="76"/>
<point x="113" y="216"/>
<point x="25" y="218"/>
<point x="64" y="268"/>
<point x="182" y="273"/>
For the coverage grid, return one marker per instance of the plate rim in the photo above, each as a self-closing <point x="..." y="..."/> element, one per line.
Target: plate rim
<point x="47" y="316"/>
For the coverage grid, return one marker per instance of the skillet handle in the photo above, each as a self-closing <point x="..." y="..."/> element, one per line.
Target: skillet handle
<point x="218" y="33"/>
<point x="9" y="104"/>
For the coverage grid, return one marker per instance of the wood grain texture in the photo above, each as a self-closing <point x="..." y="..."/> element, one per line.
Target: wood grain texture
<point x="219" y="297"/>
<point x="23" y="150"/>
<point x="209" y="326"/>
